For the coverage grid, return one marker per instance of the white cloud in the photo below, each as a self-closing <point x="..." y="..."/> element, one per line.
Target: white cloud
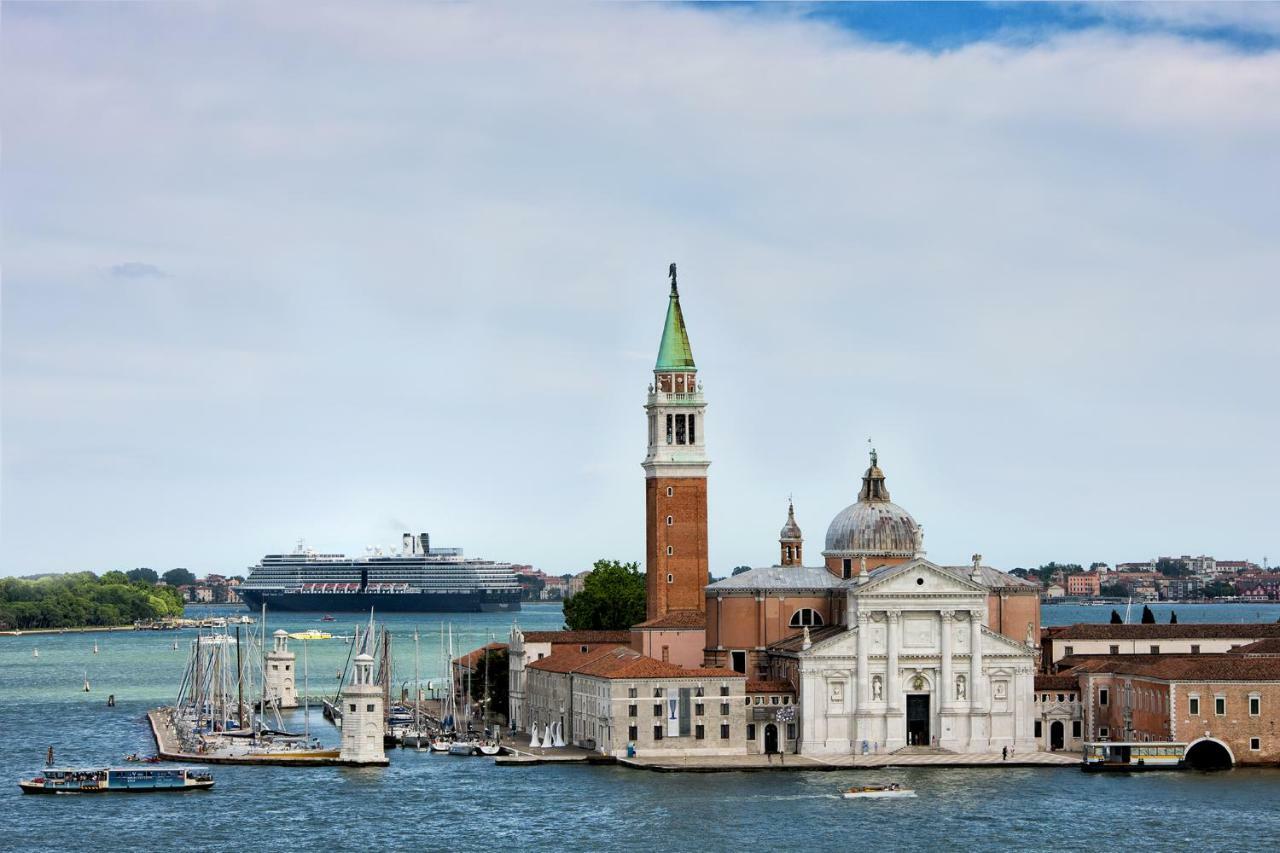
<point x="420" y="247"/>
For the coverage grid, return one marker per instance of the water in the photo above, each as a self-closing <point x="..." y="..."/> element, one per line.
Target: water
<point x="433" y="802"/>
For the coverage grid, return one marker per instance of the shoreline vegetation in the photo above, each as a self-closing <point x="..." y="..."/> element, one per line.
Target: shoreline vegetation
<point x="84" y="601"/>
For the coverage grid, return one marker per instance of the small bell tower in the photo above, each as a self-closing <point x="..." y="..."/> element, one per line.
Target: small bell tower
<point x="790" y="540"/>
<point x="279" y="683"/>
<point x="363" y="722"/>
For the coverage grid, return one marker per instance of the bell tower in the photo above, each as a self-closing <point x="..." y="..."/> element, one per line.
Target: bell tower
<point x="790" y="540"/>
<point x="675" y="470"/>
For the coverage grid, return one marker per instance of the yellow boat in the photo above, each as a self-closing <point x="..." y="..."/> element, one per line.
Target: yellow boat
<point x="310" y="635"/>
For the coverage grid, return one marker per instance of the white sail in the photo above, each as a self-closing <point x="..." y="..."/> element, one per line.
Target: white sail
<point x="559" y="734"/>
<point x="533" y="735"/>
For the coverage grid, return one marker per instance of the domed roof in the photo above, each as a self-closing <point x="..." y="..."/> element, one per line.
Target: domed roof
<point x="790" y="530"/>
<point x="874" y="526"/>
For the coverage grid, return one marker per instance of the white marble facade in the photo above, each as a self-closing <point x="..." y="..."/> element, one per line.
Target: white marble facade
<point x="915" y="666"/>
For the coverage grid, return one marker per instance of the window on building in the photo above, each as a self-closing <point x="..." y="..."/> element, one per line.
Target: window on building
<point x="1038" y="730"/>
<point x="680" y="431"/>
<point x="775" y="700"/>
<point x="724" y="709"/>
<point x="633" y="710"/>
<point x="805" y="617"/>
<point x="1220" y="706"/>
<point x="657" y="709"/>
<point x="1255" y="743"/>
<point x="1061" y="697"/>
<point x="670" y="520"/>
<point x="791" y="731"/>
<point x="1104" y="732"/>
<point x="670" y="429"/>
<point x="699" y="732"/>
<point x="666" y="654"/>
<point x="1115" y="650"/>
<point x="670" y="491"/>
<point x="738" y="661"/>
<point x="724" y="690"/>
<point x="751" y="731"/>
<point x="1103" y="696"/>
<point x="1193" y="706"/>
<point x="724" y="731"/>
<point x="1195" y="649"/>
<point x="657" y="732"/>
<point x="693" y="432"/>
<point x="1075" y="728"/>
<point x="275" y="667"/>
<point x="698" y="709"/>
<point x="353" y="709"/>
<point x="1255" y="706"/>
<point x="369" y="708"/>
<point x="631" y="692"/>
<point x="633" y="733"/>
<point x="657" y="693"/>
<point x="846" y="568"/>
<point x="1155" y="650"/>
<point x="786" y="700"/>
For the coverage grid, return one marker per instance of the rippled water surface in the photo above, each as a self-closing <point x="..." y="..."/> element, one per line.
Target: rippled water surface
<point x="433" y="802"/>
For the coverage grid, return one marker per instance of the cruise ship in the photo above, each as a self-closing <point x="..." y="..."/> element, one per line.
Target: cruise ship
<point x="416" y="579"/>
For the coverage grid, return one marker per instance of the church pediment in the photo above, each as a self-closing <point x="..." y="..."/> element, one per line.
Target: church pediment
<point x="994" y="643"/>
<point x="917" y="577"/>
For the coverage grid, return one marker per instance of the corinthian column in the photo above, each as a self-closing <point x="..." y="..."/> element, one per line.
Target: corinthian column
<point x="975" y="660"/>
<point x="947" y="691"/>
<point x="891" y="661"/>
<point x="863" y="678"/>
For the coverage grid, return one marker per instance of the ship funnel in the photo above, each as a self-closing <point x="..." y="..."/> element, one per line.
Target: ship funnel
<point x="425" y="539"/>
<point x="406" y="543"/>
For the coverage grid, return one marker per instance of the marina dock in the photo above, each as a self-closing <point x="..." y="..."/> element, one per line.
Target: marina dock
<point x="168" y="748"/>
<point x="751" y="763"/>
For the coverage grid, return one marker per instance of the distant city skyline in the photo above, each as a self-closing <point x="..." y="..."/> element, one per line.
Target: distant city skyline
<point x="339" y="272"/>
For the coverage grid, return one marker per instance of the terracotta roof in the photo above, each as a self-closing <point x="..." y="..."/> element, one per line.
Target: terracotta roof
<point x="1191" y="631"/>
<point x="473" y="657"/>
<point x="1270" y="646"/>
<point x="678" y="620"/>
<point x="1057" y="682"/>
<point x="556" y="637"/>
<point x="623" y="662"/>
<point x="1188" y="667"/>
<point x="816" y="635"/>
<point x="572" y="658"/>
<point x="770" y="687"/>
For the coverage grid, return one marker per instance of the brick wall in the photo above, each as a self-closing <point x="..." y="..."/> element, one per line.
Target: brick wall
<point x="686" y="536"/>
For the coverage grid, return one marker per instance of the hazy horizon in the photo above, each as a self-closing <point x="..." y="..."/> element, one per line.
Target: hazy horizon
<point x="338" y="272"/>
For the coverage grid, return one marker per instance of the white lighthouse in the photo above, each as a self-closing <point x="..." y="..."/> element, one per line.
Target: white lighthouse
<point x="363" y="722"/>
<point x="279" y="682"/>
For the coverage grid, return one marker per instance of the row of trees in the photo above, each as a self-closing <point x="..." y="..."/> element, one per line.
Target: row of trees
<point x="83" y="599"/>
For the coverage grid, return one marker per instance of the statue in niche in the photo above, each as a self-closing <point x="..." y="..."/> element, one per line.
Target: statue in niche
<point x="959" y="686"/>
<point x="877" y="689"/>
<point x="918" y="683"/>
<point x="1031" y="635"/>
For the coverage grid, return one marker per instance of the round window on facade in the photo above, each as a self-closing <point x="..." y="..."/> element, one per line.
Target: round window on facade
<point x="670" y="521"/>
<point x="671" y="578"/>
<point x="670" y="491"/>
<point x="919" y="581"/>
<point x="670" y="550"/>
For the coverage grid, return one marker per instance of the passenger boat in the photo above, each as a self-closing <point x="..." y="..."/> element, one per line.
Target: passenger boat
<point x="1129" y="757"/>
<point x="876" y="792"/>
<point x="311" y="635"/>
<point x="114" y="780"/>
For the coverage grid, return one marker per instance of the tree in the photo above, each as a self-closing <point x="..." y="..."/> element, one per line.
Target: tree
<point x="1219" y="589"/>
<point x="612" y="598"/>
<point x="737" y="570"/>
<point x="1114" y="590"/>
<point x="1173" y="617"/>
<point x="1148" y="618"/>
<point x="1093" y="567"/>
<point x="114" y="577"/>
<point x="1172" y="568"/>
<point x="143" y="575"/>
<point x="178" y="577"/>
<point x="1115" y="618"/>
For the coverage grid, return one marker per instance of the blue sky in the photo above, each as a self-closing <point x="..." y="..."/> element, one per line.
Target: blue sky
<point x="335" y="272"/>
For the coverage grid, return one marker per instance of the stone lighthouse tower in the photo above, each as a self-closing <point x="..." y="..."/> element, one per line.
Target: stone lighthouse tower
<point x="363" y="721"/>
<point x="279" y="682"/>
<point x="675" y="485"/>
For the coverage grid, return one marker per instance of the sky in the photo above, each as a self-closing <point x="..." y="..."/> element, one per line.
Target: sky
<point x="334" y="272"/>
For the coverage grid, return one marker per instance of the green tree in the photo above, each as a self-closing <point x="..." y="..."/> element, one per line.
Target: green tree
<point x="179" y="577"/>
<point x="115" y="577"/>
<point x="1148" y="618"/>
<point x="612" y="598"/>
<point x="1172" y="568"/>
<point x="491" y="670"/>
<point x="738" y="570"/>
<point x="143" y="576"/>
<point x="1115" y="618"/>
<point x="1173" y="617"/>
<point x="1219" y="589"/>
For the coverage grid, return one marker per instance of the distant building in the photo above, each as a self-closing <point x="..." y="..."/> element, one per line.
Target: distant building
<point x="1059" y="718"/>
<point x="1054" y="590"/>
<point x="1084" y="584"/>
<point x="526" y="647"/>
<point x="1188" y="639"/>
<point x="576" y="583"/>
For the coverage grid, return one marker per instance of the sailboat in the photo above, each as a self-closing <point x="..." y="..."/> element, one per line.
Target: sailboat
<point x="35" y="653"/>
<point x="95" y="648"/>
<point x="86" y="681"/>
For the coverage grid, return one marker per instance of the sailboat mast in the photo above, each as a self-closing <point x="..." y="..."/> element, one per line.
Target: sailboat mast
<point x="239" y="681"/>
<point x="306" y="691"/>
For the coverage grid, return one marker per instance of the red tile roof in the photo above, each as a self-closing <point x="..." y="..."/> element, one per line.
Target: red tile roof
<point x="621" y="662"/>
<point x="572" y="658"/>
<point x="1191" y="631"/>
<point x="678" y="620"/>
<point x="1223" y="667"/>
<point x="473" y="657"/>
<point x="1269" y="646"/>
<point x="577" y="637"/>
<point x="1057" y="682"/>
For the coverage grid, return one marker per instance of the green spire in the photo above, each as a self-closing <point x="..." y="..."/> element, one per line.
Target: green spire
<point x="674" y="353"/>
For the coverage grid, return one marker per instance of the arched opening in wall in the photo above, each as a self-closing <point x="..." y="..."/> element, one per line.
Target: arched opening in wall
<point x="1208" y="754"/>
<point x="806" y="617"/>
<point x="770" y="739"/>
<point x="1056" y="731"/>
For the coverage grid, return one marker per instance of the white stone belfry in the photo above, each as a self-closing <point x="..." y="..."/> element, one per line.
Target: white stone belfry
<point x="363" y="721"/>
<point x="279" y="682"/>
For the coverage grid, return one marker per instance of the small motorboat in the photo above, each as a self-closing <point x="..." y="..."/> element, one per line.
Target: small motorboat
<point x="311" y="635"/>
<point x="490" y="749"/>
<point x="441" y="745"/>
<point x="464" y="747"/>
<point x="328" y="618"/>
<point x="872" y="792"/>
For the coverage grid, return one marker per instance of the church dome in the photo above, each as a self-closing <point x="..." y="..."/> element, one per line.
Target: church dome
<point x="874" y="526"/>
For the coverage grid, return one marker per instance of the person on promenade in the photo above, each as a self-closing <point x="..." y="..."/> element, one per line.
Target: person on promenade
<point x="1004" y="753"/>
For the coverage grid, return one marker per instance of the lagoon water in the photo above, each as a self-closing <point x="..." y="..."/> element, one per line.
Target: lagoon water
<point x="433" y="802"/>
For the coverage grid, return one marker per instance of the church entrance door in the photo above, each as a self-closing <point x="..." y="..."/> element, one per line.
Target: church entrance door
<point x="1055" y="734"/>
<point x="918" y="719"/>
<point x="770" y="739"/>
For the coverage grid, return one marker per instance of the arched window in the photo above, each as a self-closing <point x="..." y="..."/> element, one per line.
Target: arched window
<point x="806" y="616"/>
